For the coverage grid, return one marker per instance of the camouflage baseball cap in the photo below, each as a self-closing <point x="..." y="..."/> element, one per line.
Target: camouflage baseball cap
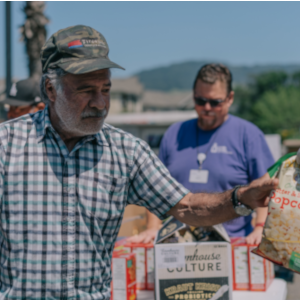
<point x="77" y="50"/>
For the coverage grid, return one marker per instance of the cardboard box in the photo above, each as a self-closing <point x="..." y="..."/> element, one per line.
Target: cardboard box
<point x="123" y="286"/>
<point x="240" y="266"/>
<point x="192" y="270"/>
<point x="250" y="271"/>
<point x="261" y="272"/>
<point x="144" y="262"/>
<point x="150" y="267"/>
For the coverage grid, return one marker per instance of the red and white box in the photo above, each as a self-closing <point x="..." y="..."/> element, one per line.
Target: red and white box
<point x="250" y="271"/>
<point x="141" y="252"/>
<point x="121" y="244"/>
<point x="123" y="285"/>
<point x="150" y="267"/>
<point x="144" y="262"/>
<point x="261" y="271"/>
<point x="240" y="266"/>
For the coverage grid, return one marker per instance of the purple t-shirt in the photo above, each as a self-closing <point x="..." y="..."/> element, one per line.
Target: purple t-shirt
<point x="236" y="153"/>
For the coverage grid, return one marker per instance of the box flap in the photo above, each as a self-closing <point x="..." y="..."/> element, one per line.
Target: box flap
<point x="169" y="227"/>
<point x="219" y="228"/>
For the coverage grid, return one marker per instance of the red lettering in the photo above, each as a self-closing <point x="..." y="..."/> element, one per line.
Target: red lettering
<point x="299" y="205"/>
<point x="273" y="194"/>
<point x="277" y="200"/>
<point x="293" y="194"/>
<point x="285" y="201"/>
<point x="294" y="202"/>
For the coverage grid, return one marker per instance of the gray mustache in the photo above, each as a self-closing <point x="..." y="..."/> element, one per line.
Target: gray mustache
<point x="94" y="113"/>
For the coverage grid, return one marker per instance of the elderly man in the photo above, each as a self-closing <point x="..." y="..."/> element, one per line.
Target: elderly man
<point x="66" y="177"/>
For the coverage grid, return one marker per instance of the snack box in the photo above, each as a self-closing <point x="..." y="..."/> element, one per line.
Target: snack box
<point x="123" y="285"/>
<point x="192" y="270"/>
<point x="261" y="271"/>
<point x="144" y="262"/>
<point x="143" y="265"/>
<point x="240" y="267"/>
<point x="250" y="271"/>
<point x="150" y="267"/>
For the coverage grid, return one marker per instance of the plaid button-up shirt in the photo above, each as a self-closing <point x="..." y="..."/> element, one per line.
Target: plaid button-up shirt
<point x="61" y="211"/>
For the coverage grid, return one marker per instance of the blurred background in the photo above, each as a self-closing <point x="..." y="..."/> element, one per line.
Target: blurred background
<point x="162" y="45"/>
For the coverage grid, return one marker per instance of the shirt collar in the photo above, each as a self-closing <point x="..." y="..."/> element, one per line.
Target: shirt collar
<point x="42" y="123"/>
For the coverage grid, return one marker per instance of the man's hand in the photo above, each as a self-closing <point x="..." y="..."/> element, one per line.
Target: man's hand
<point x="147" y="236"/>
<point x="144" y="237"/>
<point x="254" y="238"/>
<point x="258" y="191"/>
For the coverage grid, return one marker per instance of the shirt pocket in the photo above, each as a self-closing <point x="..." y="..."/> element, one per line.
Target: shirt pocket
<point x="102" y="196"/>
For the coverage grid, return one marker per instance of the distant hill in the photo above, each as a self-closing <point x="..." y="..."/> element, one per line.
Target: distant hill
<point x="180" y="76"/>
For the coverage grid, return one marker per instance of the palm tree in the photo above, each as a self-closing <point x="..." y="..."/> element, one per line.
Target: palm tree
<point x="34" y="34"/>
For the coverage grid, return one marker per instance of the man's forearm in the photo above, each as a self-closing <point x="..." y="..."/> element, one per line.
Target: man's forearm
<point x="209" y="209"/>
<point x="204" y="209"/>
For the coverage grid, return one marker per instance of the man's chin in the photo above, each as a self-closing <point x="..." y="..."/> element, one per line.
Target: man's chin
<point x="207" y="124"/>
<point x="86" y="130"/>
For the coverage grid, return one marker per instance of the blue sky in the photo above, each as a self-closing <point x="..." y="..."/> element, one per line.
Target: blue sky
<point x="144" y="35"/>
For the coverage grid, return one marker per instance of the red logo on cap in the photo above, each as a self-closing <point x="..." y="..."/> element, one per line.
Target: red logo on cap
<point x="75" y="44"/>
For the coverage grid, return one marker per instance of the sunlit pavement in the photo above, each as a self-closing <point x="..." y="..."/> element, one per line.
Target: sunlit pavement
<point x="294" y="288"/>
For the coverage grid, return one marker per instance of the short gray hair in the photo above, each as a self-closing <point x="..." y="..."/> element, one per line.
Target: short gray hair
<point x="54" y="76"/>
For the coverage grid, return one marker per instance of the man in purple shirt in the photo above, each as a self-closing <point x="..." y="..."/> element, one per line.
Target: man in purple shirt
<point x="216" y="151"/>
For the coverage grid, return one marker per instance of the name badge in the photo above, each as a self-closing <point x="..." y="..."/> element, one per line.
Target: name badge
<point x="199" y="176"/>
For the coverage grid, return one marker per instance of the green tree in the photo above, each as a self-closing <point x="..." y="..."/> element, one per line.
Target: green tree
<point x="247" y="98"/>
<point x="269" y="81"/>
<point x="242" y="104"/>
<point x="278" y="111"/>
<point x="296" y="78"/>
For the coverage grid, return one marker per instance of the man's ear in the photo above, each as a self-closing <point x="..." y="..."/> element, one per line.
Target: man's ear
<point x="231" y="97"/>
<point x="50" y="90"/>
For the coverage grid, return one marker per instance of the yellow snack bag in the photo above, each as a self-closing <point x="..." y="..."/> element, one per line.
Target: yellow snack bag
<point x="281" y="240"/>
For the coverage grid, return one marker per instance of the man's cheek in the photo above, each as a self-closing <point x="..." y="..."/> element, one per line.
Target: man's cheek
<point x="107" y="104"/>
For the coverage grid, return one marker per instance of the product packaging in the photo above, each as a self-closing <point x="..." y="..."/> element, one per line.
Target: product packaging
<point x="240" y="265"/>
<point x="261" y="271"/>
<point x="281" y="240"/>
<point x="250" y="271"/>
<point x="144" y="262"/>
<point x="192" y="263"/>
<point x="123" y="285"/>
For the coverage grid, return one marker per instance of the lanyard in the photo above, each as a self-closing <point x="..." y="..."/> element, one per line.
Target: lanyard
<point x="201" y="157"/>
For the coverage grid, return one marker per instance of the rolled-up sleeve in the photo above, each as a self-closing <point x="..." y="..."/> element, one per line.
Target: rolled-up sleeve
<point x="151" y="184"/>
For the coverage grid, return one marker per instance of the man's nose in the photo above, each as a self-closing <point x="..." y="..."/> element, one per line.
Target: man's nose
<point x="207" y="106"/>
<point x="98" y="101"/>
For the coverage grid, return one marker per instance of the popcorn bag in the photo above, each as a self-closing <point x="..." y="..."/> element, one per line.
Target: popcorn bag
<point x="281" y="241"/>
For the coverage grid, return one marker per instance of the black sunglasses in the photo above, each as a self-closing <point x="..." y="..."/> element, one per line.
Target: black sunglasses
<point x="213" y="103"/>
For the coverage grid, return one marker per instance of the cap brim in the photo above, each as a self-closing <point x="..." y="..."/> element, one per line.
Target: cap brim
<point x="16" y="102"/>
<point x="82" y="66"/>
